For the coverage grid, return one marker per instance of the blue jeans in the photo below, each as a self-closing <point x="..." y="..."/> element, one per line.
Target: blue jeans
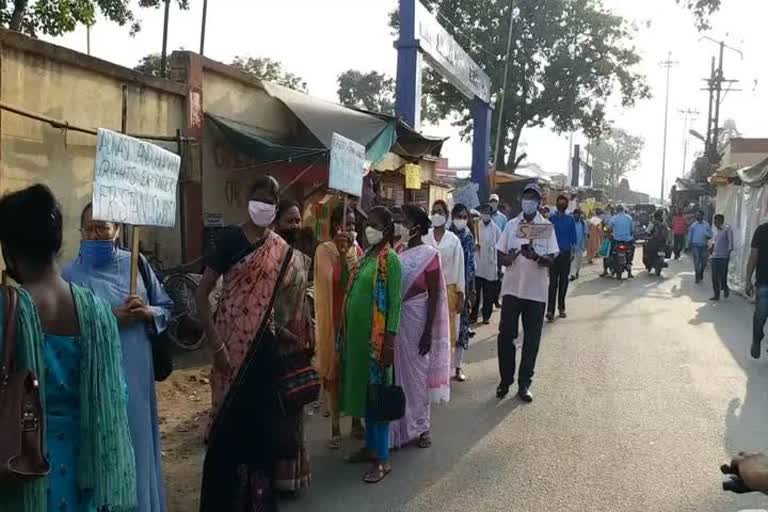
<point x="377" y="438"/>
<point x="699" y="253"/>
<point x="761" y="313"/>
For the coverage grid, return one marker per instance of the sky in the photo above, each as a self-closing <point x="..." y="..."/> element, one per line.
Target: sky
<point x="320" y="40"/>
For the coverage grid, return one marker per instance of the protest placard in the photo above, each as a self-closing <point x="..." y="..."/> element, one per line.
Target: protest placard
<point x="347" y="166"/>
<point x="467" y="195"/>
<point x="534" y="231"/>
<point x="134" y="181"/>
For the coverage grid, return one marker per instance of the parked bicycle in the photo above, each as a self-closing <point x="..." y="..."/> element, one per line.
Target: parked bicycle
<point x="185" y="328"/>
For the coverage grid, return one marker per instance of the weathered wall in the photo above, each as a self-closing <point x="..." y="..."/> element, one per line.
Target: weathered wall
<point x="82" y="91"/>
<point x="225" y="181"/>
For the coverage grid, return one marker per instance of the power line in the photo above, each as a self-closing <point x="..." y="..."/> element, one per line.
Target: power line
<point x="688" y="116"/>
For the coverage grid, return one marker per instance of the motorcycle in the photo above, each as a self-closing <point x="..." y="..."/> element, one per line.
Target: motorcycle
<point x="655" y="260"/>
<point x="620" y="259"/>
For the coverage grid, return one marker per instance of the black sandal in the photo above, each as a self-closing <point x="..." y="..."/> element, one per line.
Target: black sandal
<point x="377" y="473"/>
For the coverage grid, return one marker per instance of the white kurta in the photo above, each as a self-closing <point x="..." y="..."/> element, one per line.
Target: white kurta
<point x="451" y="257"/>
<point x="486" y="255"/>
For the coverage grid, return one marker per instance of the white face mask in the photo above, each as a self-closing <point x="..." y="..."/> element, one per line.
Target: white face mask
<point x="374" y="236"/>
<point x="438" y="220"/>
<point x="261" y="214"/>
<point x="402" y="232"/>
<point x="460" y="224"/>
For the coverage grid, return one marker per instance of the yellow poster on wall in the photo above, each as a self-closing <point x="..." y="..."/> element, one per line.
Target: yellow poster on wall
<point x="412" y="176"/>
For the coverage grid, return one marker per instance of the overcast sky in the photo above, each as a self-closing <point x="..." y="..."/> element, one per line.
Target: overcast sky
<point x="320" y="40"/>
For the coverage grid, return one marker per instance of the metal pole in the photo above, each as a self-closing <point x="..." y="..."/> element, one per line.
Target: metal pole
<point x="202" y="28"/>
<point x="668" y="64"/>
<point x="164" y="54"/>
<point x="711" y="87"/>
<point x="88" y="39"/>
<point x="718" y="91"/>
<point x="500" y="106"/>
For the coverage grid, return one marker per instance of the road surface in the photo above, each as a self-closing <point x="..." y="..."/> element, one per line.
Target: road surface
<point x="640" y="395"/>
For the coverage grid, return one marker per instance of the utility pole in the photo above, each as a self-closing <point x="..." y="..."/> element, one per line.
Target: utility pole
<point x="688" y="116"/>
<point x="500" y="102"/>
<point x="715" y="87"/>
<point x="202" y="27"/>
<point x="88" y="39"/>
<point x="667" y="64"/>
<point x="164" y="55"/>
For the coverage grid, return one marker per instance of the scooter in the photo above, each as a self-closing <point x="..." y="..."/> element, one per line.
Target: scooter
<point x="620" y="259"/>
<point x="655" y="260"/>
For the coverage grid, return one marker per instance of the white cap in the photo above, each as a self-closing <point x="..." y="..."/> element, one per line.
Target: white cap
<point x="494" y="197"/>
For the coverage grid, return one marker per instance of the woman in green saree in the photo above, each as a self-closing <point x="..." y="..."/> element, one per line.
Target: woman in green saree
<point x="371" y="321"/>
<point x="70" y="340"/>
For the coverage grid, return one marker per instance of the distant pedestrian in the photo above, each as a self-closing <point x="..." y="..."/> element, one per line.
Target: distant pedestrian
<point x="525" y="294"/>
<point x="582" y="235"/>
<point x="496" y="215"/>
<point x="758" y="261"/>
<point x="565" y="231"/>
<point x="698" y="237"/>
<point x="486" y="260"/>
<point x="722" y="246"/>
<point x="595" y="235"/>
<point x="679" y="230"/>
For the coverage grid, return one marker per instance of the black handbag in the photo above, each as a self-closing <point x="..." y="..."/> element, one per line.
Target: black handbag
<point x="162" y="360"/>
<point x="385" y="402"/>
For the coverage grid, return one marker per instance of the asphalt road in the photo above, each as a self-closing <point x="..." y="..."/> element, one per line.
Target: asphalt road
<point x="640" y="395"/>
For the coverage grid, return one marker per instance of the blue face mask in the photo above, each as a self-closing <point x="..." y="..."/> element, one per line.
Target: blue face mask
<point x="530" y="206"/>
<point x="97" y="253"/>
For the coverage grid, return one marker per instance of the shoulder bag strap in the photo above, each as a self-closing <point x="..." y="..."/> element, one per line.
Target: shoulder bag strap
<point x="145" y="277"/>
<point x="10" y="301"/>
<point x="279" y="282"/>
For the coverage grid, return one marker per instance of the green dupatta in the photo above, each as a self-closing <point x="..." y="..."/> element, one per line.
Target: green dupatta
<point x="106" y="463"/>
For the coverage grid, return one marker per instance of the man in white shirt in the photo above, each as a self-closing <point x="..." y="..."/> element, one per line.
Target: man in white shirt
<point x="486" y="265"/>
<point x="452" y="260"/>
<point x="524" y="290"/>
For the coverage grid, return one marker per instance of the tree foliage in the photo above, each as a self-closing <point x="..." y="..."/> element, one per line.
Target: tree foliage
<point x="269" y="70"/>
<point x="372" y="91"/>
<point x="615" y="155"/>
<point x="149" y="65"/>
<point x="568" y="59"/>
<point x="56" y="17"/>
<point x="702" y="9"/>
<point x="727" y="132"/>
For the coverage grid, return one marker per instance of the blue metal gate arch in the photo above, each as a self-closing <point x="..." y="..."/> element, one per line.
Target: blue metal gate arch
<point x="422" y="36"/>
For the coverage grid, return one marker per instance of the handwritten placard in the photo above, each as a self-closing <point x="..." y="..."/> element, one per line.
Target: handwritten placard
<point x="467" y="195"/>
<point x="412" y="177"/>
<point x="347" y="165"/>
<point x="134" y="181"/>
<point x="534" y="231"/>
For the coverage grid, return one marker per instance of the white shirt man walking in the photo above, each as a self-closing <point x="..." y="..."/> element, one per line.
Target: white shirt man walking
<point x="524" y="290"/>
<point x="486" y="266"/>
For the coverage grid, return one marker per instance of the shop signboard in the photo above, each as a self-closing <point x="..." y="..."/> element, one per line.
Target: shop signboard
<point x="412" y="177"/>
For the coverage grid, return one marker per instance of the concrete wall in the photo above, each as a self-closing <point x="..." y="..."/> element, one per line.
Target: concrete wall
<point x="82" y="91"/>
<point x="227" y="174"/>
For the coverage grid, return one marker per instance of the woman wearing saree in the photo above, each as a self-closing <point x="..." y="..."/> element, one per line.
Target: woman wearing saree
<point x="331" y="278"/>
<point x="370" y="325"/>
<point x="69" y="339"/>
<point x="423" y="344"/>
<point x="595" y="239"/>
<point x="254" y="447"/>
<point x="460" y="218"/>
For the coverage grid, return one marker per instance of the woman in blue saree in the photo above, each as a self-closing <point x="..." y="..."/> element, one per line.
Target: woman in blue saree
<point x="105" y="269"/>
<point x="69" y="340"/>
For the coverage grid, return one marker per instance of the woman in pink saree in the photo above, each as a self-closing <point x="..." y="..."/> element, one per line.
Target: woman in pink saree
<point x="422" y="348"/>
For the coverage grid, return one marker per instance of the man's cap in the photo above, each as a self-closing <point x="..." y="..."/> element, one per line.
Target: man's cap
<point x="494" y="197"/>
<point x="535" y="187"/>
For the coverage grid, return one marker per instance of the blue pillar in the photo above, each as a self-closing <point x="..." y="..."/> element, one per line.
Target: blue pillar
<point x="408" y="95"/>
<point x="481" y="147"/>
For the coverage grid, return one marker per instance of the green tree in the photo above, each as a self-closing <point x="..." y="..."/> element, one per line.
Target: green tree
<point x="568" y="59"/>
<point x="149" y="65"/>
<point x="372" y="91"/>
<point x="269" y="70"/>
<point x="614" y="155"/>
<point x="56" y="17"/>
<point x="702" y="9"/>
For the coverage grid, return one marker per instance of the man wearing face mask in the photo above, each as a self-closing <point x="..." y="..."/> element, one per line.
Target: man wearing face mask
<point x="559" y="272"/>
<point x="105" y="269"/>
<point x="524" y="290"/>
<point x="498" y="217"/>
<point x="486" y="259"/>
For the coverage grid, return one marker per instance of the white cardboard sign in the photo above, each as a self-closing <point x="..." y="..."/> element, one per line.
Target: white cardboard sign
<point x="347" y="166"/>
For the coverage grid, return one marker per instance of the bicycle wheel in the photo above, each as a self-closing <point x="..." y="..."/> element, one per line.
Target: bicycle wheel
<point x="186" y="329"/>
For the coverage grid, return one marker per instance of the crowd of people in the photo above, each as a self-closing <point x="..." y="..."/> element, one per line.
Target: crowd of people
<point x="393" y="308"/>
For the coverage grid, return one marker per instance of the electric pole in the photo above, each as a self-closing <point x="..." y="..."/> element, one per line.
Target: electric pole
<point x="164" y="54"/>
<point x="688" y="116"/>
<point x="667" y="64"/>
<point x="715" y="87"/>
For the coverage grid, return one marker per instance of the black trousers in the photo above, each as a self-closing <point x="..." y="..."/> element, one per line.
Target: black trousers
<point x="559" y="274"/>
<point x="531" y="313"/>
<point x="679" y="245"/>
<point x="720" y="275"/>
<point x="485" y="292"/>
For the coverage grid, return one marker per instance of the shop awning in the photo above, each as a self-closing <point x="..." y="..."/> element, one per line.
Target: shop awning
<point x="755" y="176"/>
<point x="255" y="143"/>
<point x="323" y="118"/>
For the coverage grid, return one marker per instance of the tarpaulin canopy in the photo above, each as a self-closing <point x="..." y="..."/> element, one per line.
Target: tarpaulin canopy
<point x="255" y="143"/>
<point x="755" y="176"/>
<point x="323" y="118"/>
